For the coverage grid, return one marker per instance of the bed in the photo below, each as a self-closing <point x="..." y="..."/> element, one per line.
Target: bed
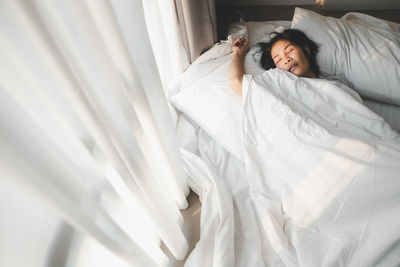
<point x="297" y="171"/>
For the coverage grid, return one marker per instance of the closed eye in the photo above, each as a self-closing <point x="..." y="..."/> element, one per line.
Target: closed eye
<point x="289" y="48"/>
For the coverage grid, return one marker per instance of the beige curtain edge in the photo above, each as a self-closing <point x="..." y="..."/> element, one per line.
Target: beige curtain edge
<point x="197" y="21"/>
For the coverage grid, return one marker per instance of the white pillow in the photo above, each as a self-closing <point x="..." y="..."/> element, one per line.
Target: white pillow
<point x="203" y="94"/>
<point x="215" y="107"/>
<point x="360" y="49"/>
<point x="209" y="61"/>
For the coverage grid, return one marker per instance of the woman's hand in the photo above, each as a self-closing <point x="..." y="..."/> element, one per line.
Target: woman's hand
<point x="240" y="47"/>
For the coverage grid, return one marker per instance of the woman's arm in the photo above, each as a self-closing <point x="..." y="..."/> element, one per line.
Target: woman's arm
<point x="236" y="69"/>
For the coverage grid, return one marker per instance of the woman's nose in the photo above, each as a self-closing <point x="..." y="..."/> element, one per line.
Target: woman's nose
<point x="287" y="60"/>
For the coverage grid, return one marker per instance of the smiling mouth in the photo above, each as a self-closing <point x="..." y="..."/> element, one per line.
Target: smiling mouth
<point x="292" y="67"/>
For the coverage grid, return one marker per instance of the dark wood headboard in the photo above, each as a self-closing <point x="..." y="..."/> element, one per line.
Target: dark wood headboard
<point x="229" y="14"/>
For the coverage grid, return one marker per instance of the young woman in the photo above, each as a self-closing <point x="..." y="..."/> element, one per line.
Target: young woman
<point x="290" y="50"/>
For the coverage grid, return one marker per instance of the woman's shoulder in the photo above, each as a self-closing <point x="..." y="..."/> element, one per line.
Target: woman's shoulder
<point x="346" y="86"/>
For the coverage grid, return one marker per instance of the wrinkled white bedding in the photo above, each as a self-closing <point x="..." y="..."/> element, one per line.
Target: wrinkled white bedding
<point x="320" y="186"/>
<point x="391" y="113"/>
<point x="323" y="172"/>
<point x="230" y="232"/>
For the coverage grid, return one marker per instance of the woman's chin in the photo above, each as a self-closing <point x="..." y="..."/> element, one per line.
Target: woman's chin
<point x="297" y="73"/>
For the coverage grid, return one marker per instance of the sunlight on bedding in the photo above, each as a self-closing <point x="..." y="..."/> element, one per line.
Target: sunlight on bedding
<point x="327" y="180"/>
<point x="383" y="49"/>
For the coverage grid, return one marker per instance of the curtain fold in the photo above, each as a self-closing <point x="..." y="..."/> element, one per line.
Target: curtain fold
<point x="80" y="95"/>
<point x="198" y="25"/>
<point x="166" y="40"/>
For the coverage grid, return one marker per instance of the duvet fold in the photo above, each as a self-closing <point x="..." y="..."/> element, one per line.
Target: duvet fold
<point x="323" y="172"/>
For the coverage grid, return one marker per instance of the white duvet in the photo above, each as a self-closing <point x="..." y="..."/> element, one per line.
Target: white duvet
<point x="323" y="172"/>
<point x="320" y="185"/>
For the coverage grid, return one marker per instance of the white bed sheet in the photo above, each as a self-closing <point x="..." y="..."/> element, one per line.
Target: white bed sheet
<point x="230" y="231"/>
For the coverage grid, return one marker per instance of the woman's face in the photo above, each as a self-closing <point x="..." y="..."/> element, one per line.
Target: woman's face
<point x="290" y="57"/>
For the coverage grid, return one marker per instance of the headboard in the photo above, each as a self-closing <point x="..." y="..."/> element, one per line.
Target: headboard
<point x="229" y="14"/>
<point x="204" y="22"/>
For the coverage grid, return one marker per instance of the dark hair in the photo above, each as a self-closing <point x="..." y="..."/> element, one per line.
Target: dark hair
<point x="296" y="37"/>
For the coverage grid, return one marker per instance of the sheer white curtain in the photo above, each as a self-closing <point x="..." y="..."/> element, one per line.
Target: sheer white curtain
<point x="166" y="39"/>
<point x="85" y="125"/>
